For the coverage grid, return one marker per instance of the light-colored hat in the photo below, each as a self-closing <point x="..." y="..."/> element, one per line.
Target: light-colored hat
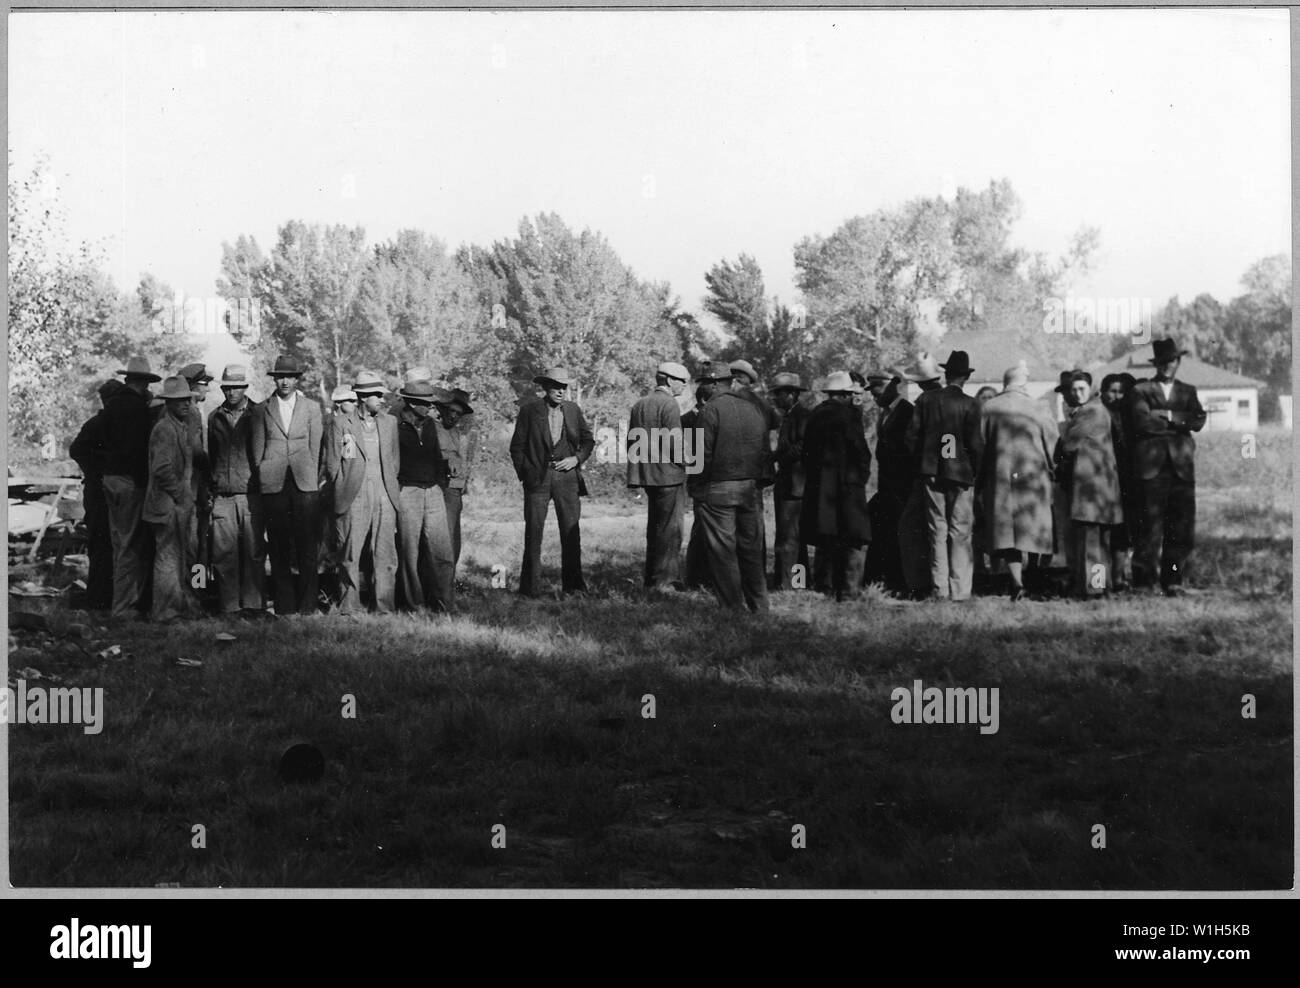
<point x="177" y="389"/>
<point x="139" y="367"/>
<point x="925" y="369"/>
<point x="789" y="382"/>
<point x="425" y="391"/>
<point x="234" y="376"/>
<point x="369" y="383"/>
<point x="419" y="373"/>
<point x="672" y="369"/>
<point x="840" y="382"/>
<point x="343" y="393"/>
<point x="746" y="368"/>
<point x="557" y="374"/>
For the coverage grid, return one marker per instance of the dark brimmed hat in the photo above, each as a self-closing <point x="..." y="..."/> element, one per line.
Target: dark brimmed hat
<point x="958" y="364"/>
<point x="285" y="366"/>
<point x="139" y="367"/>
<point x="1164" y="351"/>
<point x="1063" y="383"/>
<point x="460" y="397"/>
<point x="714" y="371"/>
<point x="556" y="374"/>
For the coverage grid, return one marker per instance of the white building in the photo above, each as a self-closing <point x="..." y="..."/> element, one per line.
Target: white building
<point x="1231" y="402"/>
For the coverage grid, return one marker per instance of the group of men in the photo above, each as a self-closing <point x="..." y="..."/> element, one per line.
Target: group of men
<point x="994" y="481"/>
<point x="368" y="482"/>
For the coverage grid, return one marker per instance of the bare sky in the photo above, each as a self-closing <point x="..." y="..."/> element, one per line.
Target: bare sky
<point x="683" y="137"/>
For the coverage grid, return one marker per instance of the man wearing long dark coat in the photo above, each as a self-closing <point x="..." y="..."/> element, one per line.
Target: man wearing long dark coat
<point x="88" y="450"/>
<point x="1015" y="482"/>
<point x="895" y="472"/>
<point x="1086" y="461"/>
<point x="837" y="464"/>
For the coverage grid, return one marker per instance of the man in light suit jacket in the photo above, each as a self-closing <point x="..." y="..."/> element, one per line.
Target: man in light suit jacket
<point x="656" y="462"/>
<point x="550" y="443"/>
<point x="1165" y="413"/>
<point x="361" y="461"/>
<point x="286" y="438"/>
<point x="945" y="434"/>
<point x="169" y="502"/>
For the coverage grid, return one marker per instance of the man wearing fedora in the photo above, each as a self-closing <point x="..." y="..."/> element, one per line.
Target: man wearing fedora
<point x="895" y="473"/>
<point x="790" y="548"/>
<point x="88" y="450"/>
<point x="945" y="434"/>
<point x="286" y="442"/>
<point x="727" y="505"/>
<point x="913" y="526"/>
<point x="837" y="463"/>
<point x="169" y="502"/>
<point x="361" y="470"/>
<point x="238" y="542"/>
<point x="656" y="462"/>
<point x="426" y="561"/>
<point x="127" y="425"/>
<point x="1165" y="413"/>
<point x="551" y="441"/>
<point x="454" y="420"/>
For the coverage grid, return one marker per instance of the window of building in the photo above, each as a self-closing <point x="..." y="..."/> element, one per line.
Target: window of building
<point x="1243" y="406"/>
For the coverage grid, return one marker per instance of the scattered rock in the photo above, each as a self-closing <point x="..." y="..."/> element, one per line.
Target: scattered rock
<point x="189" y="663"/>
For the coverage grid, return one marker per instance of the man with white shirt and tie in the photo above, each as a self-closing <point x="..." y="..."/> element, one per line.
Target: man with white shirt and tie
<point x="286" y="438"/>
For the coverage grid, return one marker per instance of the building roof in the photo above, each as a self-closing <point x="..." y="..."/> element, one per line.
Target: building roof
<point x="1191" y="371"/>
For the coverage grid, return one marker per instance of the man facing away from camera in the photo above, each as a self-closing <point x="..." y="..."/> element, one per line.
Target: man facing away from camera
<point x="656" y="462"/>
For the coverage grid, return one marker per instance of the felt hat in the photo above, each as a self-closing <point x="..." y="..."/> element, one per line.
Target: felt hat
<point x="418" y="373"/>
<point x="424" y="391"/>
<point x="787" y="382"/>
<point x="1165" y="350"/>
<point x="746" y="368"/>
<point x="139" y="367"/>
<point x="840" y="383"/>
<point x="285" y="366"/>
<point x="714" y="371"/>
<point x="958" y="364"/>
<point x="196" y="373"/>
<point x="925" y="369"/>
<point x="369" y="383"/>
<point x="557" y="374"/>
<point x="459" y="396"/>
<point x="177" y="389"/>
<point x="343" y="393"/>
<point x="234" y="376"/>
<point x="673" y="369"/>
<point x="881" y="375"/>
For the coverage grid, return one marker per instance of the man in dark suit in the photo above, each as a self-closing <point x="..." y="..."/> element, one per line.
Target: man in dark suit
<point x="895" y="472"/>
<point x="550" y="443"/>
<point x="727" y="504"/>
<point x="361" y="463"/>
<point x="286" y="441"/>
<point x="88" y="450"/>
<point x="945" y="434"/>
<point x="238" y="540"/>
<point x="1165" y="413"/>
<point x="790" y="549"/>
<point x="656" y="462"/>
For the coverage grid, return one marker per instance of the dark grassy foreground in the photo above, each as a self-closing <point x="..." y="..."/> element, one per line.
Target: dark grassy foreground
<point x="1125" y="713"/>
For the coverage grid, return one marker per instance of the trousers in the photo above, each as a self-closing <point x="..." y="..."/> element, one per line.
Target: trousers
<point x="561" y="486"/>
<point x="368" y="527"/>
<point x="426" y="569"/>
<point x="455" y="500"/>
<point x="950" y="515"/>
<point x="132" y="542"/>
<point x="1168" y="530"/>
<point x="99" y="547"/>
<point x="172" y="596"/>
<point x="238" y="553"/>
<point x="293" y="531"/>
<point x="663" y="534"/>
<point x="730" y="516"/>
<point x="789" y="549"/>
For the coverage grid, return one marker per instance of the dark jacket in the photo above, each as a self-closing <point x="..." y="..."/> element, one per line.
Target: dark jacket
<point x="90" y="450"/>
<point x="295" y="454"/>
<point x="230" y="450"/>
<point x="945" y="434"/>
<point x="790" y="476"/>
<point x="171" y="468"/>
<point x="420" y="461"/>
<point x="896" y="465"/>
<point x="655" y="458"/>
<point x="532" y="451"/>
<point x="735" y="442"/>
<point x="838" y="464"/>
<point x="1157" y="439"/>
<point x="772" y="419"/>
<point x="126" y="429"/>
<point x="345" y="457"/>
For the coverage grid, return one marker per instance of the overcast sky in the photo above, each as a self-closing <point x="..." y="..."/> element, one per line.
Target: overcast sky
<point x="683" y="137"/>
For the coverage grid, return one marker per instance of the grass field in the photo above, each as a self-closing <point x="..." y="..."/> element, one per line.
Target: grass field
<point x="1125" y="713"/>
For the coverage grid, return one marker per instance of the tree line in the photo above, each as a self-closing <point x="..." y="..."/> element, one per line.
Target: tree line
<point x="871" y="293"/>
